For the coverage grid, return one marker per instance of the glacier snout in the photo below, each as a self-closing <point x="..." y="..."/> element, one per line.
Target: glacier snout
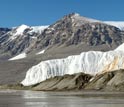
<point x="92" y="62"/>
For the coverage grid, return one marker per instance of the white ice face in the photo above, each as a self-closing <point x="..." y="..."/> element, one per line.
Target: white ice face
<point x="92" y="62"/>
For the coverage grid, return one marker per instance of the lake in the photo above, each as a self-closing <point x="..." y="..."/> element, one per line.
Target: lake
<point x="13" y="98"/>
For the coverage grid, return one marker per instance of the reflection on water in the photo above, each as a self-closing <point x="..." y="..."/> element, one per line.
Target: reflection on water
<point x="12" y="98"/>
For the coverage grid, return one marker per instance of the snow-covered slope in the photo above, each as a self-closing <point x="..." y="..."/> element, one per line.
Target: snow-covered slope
<point x="92" y="62"/>
<point x="16" y="31"/>
<point x="82" y="19"/>
<point x="118" y="24"/>
<point x="38" y="29"/>
<point x="20" y="30"/>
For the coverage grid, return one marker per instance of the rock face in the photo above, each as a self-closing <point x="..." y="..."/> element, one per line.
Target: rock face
<point x="66" y="82"/>
<point x="74" y="29"/>
<point x="4" y="30"/>
<point x="109" y="81"/>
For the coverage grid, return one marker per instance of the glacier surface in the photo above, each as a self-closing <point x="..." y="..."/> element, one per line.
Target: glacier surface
<point x="92" y="62"/>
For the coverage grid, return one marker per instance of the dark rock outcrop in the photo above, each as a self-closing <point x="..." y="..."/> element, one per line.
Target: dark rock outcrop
<point x="109" y="81"/>
<point x="66" y="82"/>
<point x="4" y="30"/>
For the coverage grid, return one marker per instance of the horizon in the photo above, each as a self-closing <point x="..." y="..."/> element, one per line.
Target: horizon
<point x="36" y="12"/>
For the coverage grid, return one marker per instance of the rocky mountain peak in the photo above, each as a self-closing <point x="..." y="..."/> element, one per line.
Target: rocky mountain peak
<point x="78" y="20"/>
<point x="83" y="19"/>
<point x="74" y="29"/>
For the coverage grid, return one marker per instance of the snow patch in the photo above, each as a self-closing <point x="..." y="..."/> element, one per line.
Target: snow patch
<point x="20" y="56"/>
<point x="41" y="52"/>
<point x="34" y="37"/>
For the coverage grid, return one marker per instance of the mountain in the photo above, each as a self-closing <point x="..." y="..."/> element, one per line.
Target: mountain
<point x="77" y="34"/>
<point x="70" y="35"/>
<point x="19" y="39"/>
<point x="24" y="46"/>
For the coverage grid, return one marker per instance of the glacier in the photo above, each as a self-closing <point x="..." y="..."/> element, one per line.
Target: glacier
<point x="92" y="62"/>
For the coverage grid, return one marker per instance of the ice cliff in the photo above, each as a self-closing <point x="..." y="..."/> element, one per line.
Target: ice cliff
<point x="92" y="62"/>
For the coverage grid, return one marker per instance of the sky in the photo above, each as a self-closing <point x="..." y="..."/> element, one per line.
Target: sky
<point x="45" y="12"/>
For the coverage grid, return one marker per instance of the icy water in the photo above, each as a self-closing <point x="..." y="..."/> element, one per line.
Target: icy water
<point x="12" y="98"/>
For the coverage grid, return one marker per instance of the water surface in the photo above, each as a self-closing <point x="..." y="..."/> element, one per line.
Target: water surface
<point x="13" y="98"/>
